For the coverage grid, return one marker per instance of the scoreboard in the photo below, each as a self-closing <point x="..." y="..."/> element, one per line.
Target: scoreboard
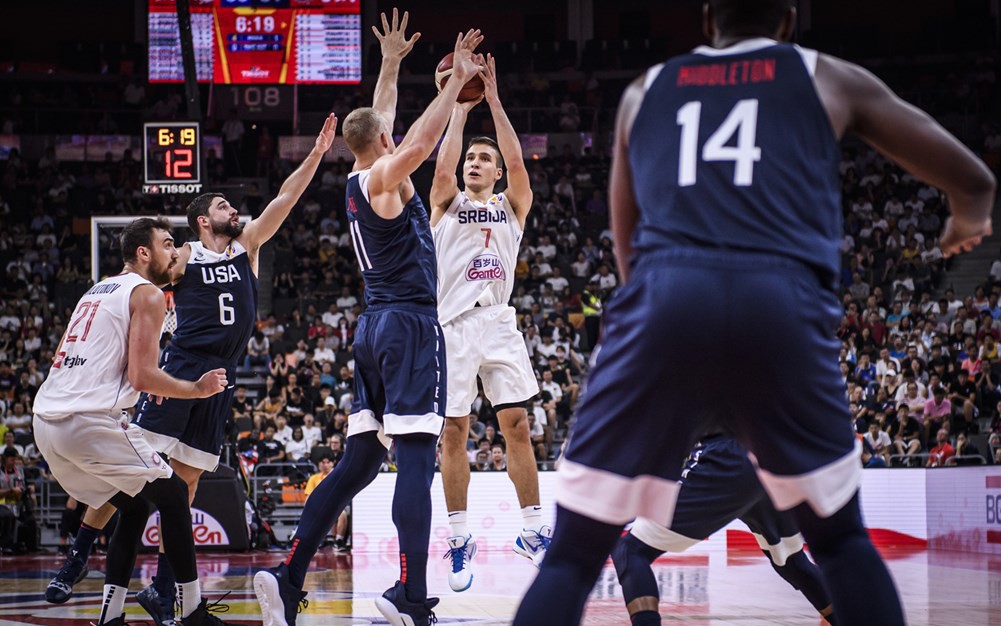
<point x="259" y="41"/>
<point x="172" y="157"/>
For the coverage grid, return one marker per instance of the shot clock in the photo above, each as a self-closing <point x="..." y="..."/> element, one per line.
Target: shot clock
<point x="172" y="157"/>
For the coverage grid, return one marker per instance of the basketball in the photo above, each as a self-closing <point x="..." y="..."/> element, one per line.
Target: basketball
<point x="472" y="90"/>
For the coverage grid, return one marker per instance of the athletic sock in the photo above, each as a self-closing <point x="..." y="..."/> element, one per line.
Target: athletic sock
<point x="532" y="517"/>
<point x="457" y="522"/>
<point x="164" y="581"/>
<point x="114" y="603"/>
<point x="415" y="455"/>
<point x="84" y="541"/>
<point x="645" y="618"/>
<point x="189" y="596"/>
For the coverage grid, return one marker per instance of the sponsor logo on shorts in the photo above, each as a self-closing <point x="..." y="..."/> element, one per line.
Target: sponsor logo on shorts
<point x="485" y="267"/>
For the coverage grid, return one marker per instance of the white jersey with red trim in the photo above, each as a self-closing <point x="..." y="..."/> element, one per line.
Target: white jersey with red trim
<point x="90" y="372"/>
<point x="477" y="247"/>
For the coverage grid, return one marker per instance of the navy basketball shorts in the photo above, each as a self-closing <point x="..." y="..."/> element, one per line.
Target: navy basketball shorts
<point x="698" y="333"/>
<point x="718" y="485"/>
<point x="400" y="374"/>
<point x="191" y="431"/>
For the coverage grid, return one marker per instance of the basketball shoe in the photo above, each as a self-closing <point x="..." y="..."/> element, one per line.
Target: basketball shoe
<point x="533" y="545"/>
<point x="400" y="611"/>
<point x="461" y="550"/>
<point x="160" y="608"/>
<point x="60" y="588"/>
<point x="279" y="599"/>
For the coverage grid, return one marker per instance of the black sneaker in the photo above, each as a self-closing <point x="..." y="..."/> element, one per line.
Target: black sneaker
<point x="60" y="588"/>
<point x="280" y="600"/>
<point x="341" y="546"/>
<point x="160" y="608"/>
<point x="118" y="621"/>
<point x="400" y="611"/>
<point x="203" y="615"/>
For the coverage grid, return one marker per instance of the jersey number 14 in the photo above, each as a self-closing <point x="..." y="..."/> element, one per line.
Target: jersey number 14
<point x="742" y="121"/>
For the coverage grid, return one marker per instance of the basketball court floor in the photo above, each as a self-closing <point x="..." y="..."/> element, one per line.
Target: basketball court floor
<point x="718" y="588"/>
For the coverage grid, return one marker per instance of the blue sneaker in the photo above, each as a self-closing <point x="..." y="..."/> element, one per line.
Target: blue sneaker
<point x="400" y="611"/>
<point x="533" y="545"/>
<point x="461" y="550"/>
<point x="60" y="588"/>
<point x="160" y="608"/>
<point x="280" y="600"/>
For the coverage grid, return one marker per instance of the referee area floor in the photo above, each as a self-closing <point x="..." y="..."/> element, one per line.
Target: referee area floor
<point x="737" y="588"/>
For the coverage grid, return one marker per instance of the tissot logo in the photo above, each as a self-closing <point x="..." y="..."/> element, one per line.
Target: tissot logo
<point x="255" y="72"/>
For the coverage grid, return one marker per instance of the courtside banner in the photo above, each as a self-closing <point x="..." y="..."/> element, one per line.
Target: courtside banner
<point x="964" y="509"/>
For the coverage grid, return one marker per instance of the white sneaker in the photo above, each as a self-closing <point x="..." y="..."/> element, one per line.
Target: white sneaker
<point x="533" y="545"/>
<point x="461" y="550"/>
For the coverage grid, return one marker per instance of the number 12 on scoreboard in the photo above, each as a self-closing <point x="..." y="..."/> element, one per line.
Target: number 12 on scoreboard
<point x="172" y="152"/>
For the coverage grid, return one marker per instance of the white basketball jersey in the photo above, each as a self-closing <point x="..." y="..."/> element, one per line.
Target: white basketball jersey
<point x="89" y="374"/>
<point x="477" y="248"/>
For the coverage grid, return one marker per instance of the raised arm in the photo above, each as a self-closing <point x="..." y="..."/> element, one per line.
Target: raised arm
<point x="147" y="311"/>
<point x="267" y="224"/>
<point x="519" y="186"/>
<point x="395" y="46"/>
<point x="624" y="213"/>
<point x="857" y="101"/>
<point x="444" y="186"/>
<point x="391" y="170"/>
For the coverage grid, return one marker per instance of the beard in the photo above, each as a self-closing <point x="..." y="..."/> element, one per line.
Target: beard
<point x="229" y="229"/>
<point x="159" y="275"/>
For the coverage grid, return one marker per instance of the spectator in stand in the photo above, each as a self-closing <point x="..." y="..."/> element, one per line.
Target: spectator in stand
<point x="297" y="448"/>
<point x="242" y="405"/>
<point x="879" y="441"/>
<point x="967" y="452"/>
<point x="269" y="449"/>
<point x="326" y="465"/>
<point x="312" y="433"/>
<point x="937" y="411"/>
<point x="323" y="354"/>
<point x="906" y="434"/>
<point x="498" y="461"/>
<point x="942" y="451"/>
<point x="258" y="349"/>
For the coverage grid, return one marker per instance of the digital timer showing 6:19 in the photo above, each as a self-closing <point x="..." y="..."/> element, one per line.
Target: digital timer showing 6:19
<point x="172" y="152"/>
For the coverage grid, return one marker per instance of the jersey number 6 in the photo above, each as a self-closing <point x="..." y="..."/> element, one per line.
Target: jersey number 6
<point x="227" y="314"/>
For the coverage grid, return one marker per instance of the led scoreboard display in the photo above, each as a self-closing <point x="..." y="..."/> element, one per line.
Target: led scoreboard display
<point x="259" y="41"/>
<point x="172" y="157"/>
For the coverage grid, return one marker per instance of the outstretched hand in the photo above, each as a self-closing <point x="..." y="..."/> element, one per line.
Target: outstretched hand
<point x="393" y="40"/>
<point x="489" y="76"/>
<point x="326" y="137"/>
<point x="464" y="65"/>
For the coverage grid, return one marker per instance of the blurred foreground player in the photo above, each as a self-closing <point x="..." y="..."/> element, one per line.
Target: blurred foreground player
<point x="726" y="216"/>
<point x="399" y="352"/>
<point x="718" y="485"/>
<point x="107" y="356"/>
<point x="215" y="293"/>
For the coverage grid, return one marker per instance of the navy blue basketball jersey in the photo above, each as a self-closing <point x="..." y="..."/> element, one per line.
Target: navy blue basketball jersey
<point x="732" y="148"/>
<point x="396" y="256"/>
<point x="216" y="302"/>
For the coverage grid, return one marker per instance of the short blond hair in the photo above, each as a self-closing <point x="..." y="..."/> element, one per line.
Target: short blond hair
<point x="362" y="127"/>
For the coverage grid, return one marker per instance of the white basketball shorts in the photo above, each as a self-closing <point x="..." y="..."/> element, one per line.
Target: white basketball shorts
<point x="93" y="456"/>
<point x="486" y="342"/>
